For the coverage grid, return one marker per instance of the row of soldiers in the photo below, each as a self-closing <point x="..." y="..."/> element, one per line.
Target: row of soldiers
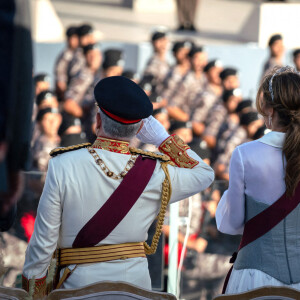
<point x="196" y="97"/>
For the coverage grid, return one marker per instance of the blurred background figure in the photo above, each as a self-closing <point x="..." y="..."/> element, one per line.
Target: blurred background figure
<point x="63" y="61"/>
<point x="158" y="65"/>
<point x="276" y="48"/>
<point x="49" y="120"/>
<point x="186" y="12"/>
<point x="296" y="59"/>
<point x="41" y="82"/>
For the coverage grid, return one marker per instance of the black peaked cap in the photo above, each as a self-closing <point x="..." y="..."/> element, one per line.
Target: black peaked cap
<point x="122" y="100"/>
<point x="194" y="50"/>
<point x="228" y="72"/>
<point x="113" y="57"/>
<point x="158" y="35"/>
<point x="72" y="30"/>
<point x="44" y="111"/>
<point x="274" y="38"/>
<point x="84" y="30"/>
<point x="244" y="104"/>
<point x="41" y="77"/>
<point x="212" y="64"/>
<point x="44" y="95"/>
<point x="296" y="52"/>
<point x="248" y="118"/>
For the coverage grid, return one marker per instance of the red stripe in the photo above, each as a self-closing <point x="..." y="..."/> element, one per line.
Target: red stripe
<point x="119" y="119"/>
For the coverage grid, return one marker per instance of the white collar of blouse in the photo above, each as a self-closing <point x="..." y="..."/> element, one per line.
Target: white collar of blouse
<point x="273" y="138"/>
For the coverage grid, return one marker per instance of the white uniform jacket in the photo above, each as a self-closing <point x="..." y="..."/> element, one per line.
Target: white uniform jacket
<point x="76" y="188"/>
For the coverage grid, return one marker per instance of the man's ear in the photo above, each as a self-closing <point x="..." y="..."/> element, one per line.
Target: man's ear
<point x="142" y="124"/>
<point x="98" y="121"/>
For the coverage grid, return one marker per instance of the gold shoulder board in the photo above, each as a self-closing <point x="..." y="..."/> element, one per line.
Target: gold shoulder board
<point x="61" y="150"/>
<point x="161" y="157"/>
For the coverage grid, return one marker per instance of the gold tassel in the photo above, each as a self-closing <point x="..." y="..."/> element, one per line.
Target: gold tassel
<point x="31" y="289"/>
<point x="51" y="274"/>
<point x="165" y="199"/>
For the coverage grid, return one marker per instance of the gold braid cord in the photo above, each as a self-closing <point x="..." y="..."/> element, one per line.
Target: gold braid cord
<point x="61" y="150"/>
<point x="165" y="199"/>
<point x="176" y="149"/>
<point x="39" y="286"/>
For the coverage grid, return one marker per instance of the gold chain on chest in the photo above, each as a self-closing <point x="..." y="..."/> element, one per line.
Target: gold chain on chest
<point x="106" y="170"/>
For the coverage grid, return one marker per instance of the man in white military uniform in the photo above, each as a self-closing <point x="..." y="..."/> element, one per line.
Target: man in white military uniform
<point x="87" y="207"/>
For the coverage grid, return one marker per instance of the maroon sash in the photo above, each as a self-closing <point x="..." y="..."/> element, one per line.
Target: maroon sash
<point x="263" y="222"/>
<point x="118" y="205"/>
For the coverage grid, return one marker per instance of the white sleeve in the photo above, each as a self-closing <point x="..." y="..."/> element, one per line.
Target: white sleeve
<point x="46" y="228"/>
<point x="230" y="212"/>
<point x="188" y="182"/>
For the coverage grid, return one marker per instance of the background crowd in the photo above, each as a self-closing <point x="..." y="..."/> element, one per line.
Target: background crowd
<point x="197" y="99"/>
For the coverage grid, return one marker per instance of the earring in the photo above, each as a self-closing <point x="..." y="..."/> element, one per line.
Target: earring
<point x="270" y="121"/>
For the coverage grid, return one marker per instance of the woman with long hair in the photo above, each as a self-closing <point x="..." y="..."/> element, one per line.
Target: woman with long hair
<point x="262" y="201"/>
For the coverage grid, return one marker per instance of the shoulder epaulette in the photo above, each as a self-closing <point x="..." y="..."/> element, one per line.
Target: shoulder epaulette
<point x="61" y="150"/>
<point x="161" y="157"/>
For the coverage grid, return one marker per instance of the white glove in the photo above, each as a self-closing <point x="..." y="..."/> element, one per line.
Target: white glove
<point x="152" y="132"/>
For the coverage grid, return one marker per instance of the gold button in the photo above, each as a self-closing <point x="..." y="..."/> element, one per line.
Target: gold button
<point x="180" y="153"/>
<point x="169" y="142"/>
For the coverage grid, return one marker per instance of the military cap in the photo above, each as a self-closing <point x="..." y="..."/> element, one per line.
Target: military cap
<point x="159" y="111"/>
<point x="179" y="124"/>
<point x="296" y="52"/>
<point x="44" y="95"/>
<point x="158" y="35"/>
<point x="228" y="93"/>
<point x="182" y="44"/>
<point x="248" y="118"/>
<point x="147" y="83"/>
<point x="211" y="64"/>
<point x="41" y="77"/>
<point x="195" y="50"/>
<point x="122" y="100"/>
<point x="89" y="47"/>
<point x="68" y="121"/>
<point x="261" y="131"/>
<point x="44" y="111"/>
<point x="130" y="74"/>
<point x="228" y="72"/>
<point x="274" y="38"/>
<point x="113" y="57"/>
<point x="72" y="30"/>
<point x="244" y="104"/>
<point x="200" y="147"/>
<point x="84" y="29"/>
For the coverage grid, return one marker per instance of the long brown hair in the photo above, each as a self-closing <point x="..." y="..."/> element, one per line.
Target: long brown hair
<point x="286" y="102"/>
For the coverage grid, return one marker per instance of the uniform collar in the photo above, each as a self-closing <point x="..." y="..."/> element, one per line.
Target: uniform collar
<point x="273" y="138"/>
<point x="111" y="145"/>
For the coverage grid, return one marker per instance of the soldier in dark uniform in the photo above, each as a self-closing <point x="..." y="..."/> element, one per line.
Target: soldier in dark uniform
<point x="296" y="59"/>
<point x="70" y="131"/>
<point x="79" y="96"/>
<point x="276" y="48"/>
<point x="249" y="124"/>
<point x="158" y="65"/>
<point x="208" y="97"/>
<point x="230" y="79"/>
<point x="113" y="63"/>
<point x="86" y="37"/>
<point x="45" y="99"/>
<point x="63" y="61"/>
<point x="222" y="117"/>
<point x="177" y="72"/>
<point x="183" y="103"/>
